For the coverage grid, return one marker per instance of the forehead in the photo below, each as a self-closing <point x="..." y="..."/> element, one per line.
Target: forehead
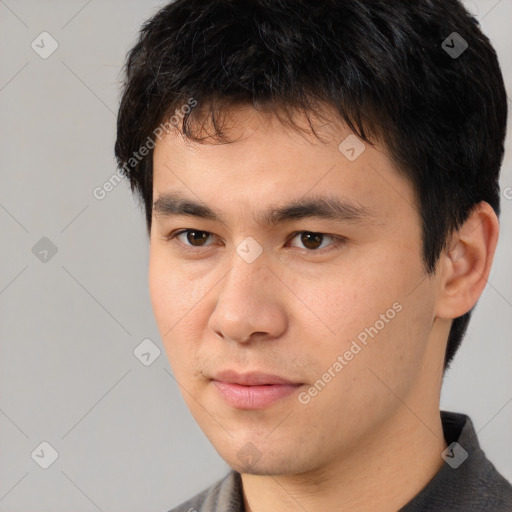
<point x="267" y="162"/>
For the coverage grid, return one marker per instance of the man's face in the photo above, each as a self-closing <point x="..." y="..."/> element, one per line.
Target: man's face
<point x="340" y="307"/>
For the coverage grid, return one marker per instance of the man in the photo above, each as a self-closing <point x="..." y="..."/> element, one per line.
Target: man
<point x="320" y="184"/>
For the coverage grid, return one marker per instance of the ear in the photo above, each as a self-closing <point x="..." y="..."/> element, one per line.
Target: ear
<point x="466" y="263"/>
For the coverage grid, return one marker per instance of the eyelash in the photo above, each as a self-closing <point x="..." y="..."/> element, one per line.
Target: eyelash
<point x="337" y="240"/>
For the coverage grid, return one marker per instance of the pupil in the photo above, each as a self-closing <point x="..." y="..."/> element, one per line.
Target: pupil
<point x="306" y="240"/>
<point x="192" y="238"/>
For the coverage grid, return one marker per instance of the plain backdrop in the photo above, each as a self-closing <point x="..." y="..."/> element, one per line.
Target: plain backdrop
<point x="74" y="300"/>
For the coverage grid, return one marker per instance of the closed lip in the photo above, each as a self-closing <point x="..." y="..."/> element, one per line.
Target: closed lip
<point x="254" y="378"/>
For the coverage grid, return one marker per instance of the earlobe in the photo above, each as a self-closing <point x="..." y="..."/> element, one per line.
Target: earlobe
<point x="467" y="262"/>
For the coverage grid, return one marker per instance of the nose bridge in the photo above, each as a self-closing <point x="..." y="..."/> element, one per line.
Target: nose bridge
<point x="246" y="303"/>
<point x="243" y="284"/>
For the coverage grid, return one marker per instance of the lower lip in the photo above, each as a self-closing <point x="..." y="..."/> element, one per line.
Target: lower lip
<point x="254" y="397"/>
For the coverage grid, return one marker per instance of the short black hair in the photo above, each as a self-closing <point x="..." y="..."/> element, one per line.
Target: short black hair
<point x="395" y="72"/>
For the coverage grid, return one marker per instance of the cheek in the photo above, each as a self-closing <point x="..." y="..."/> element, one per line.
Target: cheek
<point x="348" y="300"/>
<point x="370" y="304"/>
<point x="173" y="291"/>
<point x="369" y="356"/>
<point x="176" y="301"/>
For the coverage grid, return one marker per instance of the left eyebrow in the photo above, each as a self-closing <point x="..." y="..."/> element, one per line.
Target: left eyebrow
<point x="324" y="207"/>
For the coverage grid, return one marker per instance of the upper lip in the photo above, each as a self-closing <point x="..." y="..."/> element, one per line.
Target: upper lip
<point x="250" y="378"/>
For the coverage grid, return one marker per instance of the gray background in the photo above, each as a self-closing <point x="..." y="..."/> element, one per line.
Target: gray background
<point x="70" y="323"/>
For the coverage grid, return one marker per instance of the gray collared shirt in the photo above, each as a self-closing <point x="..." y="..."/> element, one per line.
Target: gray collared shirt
<point x="467" y="482"/>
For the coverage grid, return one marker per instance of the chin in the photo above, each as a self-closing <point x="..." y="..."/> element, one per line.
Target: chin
<point x="262" y="468"/>
<point x="249" y="460"/>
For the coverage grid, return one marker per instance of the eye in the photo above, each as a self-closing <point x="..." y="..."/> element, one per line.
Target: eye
<point x="313" y="241"/>
<point x="192" y="238"/>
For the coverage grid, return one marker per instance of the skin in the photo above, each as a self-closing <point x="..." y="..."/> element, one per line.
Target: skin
<point x="372" y="438"/>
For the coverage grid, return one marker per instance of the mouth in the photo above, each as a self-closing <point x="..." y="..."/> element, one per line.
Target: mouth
<point x="255" y="390"/>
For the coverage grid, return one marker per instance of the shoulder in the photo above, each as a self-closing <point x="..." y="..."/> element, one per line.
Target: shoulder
<point x="225" y="495"/>
<point x="479" y="479"/>
<point x="490" y="490"/>
<point x="468" y="482"/>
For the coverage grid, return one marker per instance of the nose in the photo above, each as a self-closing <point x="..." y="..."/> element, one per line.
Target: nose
<point x="249" y="303"/>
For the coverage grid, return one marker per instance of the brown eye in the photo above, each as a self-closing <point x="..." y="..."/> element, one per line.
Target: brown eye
<point x="312" y="241"/>
<point x="196" y="237"/>
<point x="190" y="237"/>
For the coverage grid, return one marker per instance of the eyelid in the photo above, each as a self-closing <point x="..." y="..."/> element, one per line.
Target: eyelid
<point x="337" y="240"/>
<point x="176" y="233"/>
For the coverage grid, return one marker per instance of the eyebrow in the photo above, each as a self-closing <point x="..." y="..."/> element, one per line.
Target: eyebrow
<point x="324" y="207"/>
